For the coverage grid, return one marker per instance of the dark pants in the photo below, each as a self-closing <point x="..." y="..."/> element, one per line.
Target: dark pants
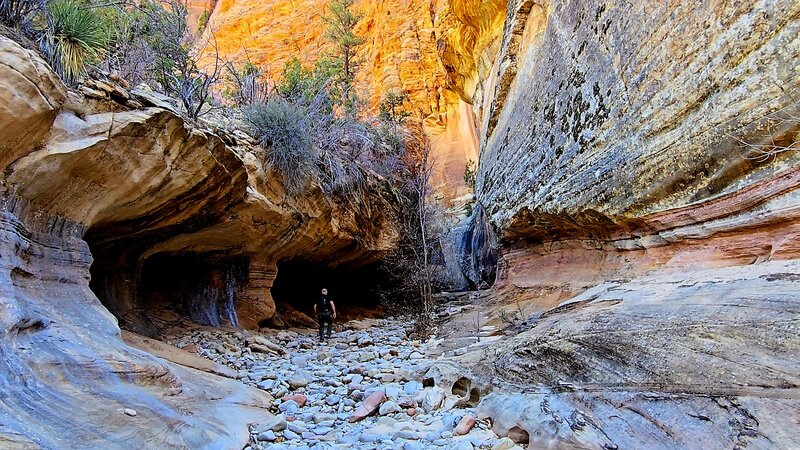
<point x="325" y="319"/>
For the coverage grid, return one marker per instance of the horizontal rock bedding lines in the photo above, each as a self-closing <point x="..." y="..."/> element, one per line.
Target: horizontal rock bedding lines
<point x="609" y="167"/>
<point x="102" y="186"/>
<point x="185" y="191"/>
<point x="68" y="380"/>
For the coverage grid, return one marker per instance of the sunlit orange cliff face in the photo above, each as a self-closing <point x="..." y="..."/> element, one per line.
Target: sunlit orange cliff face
<point x="435" y="50"/>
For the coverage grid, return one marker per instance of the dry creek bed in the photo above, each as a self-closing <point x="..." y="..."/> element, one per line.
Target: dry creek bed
<point x="362" y="389"/>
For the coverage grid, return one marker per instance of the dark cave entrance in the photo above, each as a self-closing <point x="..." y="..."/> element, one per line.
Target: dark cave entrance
<point x="356" y="291"/>
<point x="200" y="287"/>
<point x="170" y="288"/>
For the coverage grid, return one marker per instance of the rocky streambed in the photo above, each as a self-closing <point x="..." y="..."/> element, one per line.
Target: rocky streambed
<point x="367" y="387"/>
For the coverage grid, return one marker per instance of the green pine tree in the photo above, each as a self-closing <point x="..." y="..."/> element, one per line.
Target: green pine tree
<point x="341" y="23"/>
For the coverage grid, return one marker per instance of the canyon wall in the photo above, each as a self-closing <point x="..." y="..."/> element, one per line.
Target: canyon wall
<point x="108" y="186"/>
<point x="647" y="221"/>
<point x="636" y="147"/>
<point x="404" y="41"/>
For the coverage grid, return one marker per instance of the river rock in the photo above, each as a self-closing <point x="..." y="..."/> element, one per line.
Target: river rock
<point x="389" y="407"/>
<point x="412" y="387"/>
<point x="368" y="406"/>
<point x="300" y="399"/>
<point x="464" y="425"/>
<point x="277" y="423"/>
<point x="299" y="379"/>
<point x="268" y="435"/>
<point x="291" y="435"/>
<point x="504" y="444"/>
<point x="433" y="399"/>
<point x="366" y="357"/>
<point x="462" y="445"/>
<point x="289" y="407"/>
<point x="261" y="344"/>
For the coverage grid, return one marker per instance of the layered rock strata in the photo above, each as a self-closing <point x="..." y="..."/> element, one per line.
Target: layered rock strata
<point x="125" y="195"/>
<point x="647" y="218"/>
<point x="186" y="193"/>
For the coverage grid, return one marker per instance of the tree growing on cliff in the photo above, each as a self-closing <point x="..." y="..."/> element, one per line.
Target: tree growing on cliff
<point x="341" y="22"/>
<point x="177" y="70"/>
<point x="392" y="109"/>
<point x="470" y="174"/>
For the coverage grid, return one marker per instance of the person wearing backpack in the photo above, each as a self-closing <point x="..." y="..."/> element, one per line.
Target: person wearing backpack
<point x="324" y="312"/>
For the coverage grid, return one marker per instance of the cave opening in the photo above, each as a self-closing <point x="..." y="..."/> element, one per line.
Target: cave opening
<point x="202" y="288"/>
<point x="356" y="291"/>
<point x="170" y="288"/>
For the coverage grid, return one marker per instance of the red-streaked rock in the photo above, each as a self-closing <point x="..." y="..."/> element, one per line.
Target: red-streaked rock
<point x="368" y="406"/>
<point x="300" y="399"/>
<point x="408" y="402"/>
<point x="464" y="425"/>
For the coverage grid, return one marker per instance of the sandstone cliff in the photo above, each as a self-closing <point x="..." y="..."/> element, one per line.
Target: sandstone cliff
<point x="130" y="195"/>
<point x="404" y="40"/>
<point x="619" y="163"/>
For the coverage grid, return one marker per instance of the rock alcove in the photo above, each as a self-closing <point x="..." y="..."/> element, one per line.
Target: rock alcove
<point x="356" y="290"/>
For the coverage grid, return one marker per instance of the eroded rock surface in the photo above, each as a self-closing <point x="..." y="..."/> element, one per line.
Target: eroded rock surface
<point x="68" y="379"/>
<point x="124" y="194"/>
<point x="645" y="294"/>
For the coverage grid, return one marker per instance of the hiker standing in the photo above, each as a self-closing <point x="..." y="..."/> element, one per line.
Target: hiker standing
<point x="325" y="312"/>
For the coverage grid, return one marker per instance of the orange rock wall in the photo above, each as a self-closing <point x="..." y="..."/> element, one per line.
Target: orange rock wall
<point x="404" y="42"/>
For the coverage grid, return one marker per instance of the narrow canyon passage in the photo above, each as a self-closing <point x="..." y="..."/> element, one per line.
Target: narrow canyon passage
<point x="587" y="211"/>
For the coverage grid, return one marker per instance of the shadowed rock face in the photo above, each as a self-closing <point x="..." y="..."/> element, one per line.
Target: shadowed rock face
<point x="67" y="378"/>
<point x="650" y="248"/>
<point x="144" y="184"/>
<point x="133" y="195"/>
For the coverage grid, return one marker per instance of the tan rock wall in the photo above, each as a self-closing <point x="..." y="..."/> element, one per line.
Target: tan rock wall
<point x="605" y="141"/>
<point x="604" y="113"/>
<point x="648" y="255"/>
<point x="31" y="97"/>
<point x="91" y="192"/>
<point x="142" y="183"/>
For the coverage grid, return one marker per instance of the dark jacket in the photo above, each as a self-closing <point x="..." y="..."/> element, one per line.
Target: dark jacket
<point x="324" y="306"/>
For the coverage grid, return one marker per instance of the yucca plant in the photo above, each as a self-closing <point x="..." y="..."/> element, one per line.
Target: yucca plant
<point x="73" y="38"/>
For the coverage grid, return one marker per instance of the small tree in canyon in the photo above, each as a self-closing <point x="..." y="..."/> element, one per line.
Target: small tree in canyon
<point x="341" y="22"/>
<point x="176" y="66"/>
<point x="411" y="266"/>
